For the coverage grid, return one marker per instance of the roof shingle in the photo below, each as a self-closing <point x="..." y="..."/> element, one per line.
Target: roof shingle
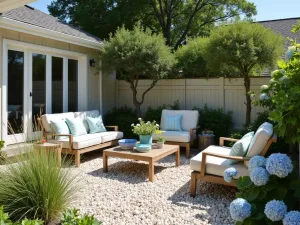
<point x="29" y="15"/>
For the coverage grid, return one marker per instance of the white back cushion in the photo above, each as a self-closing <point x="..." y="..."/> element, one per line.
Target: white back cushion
<point x="47" y="118"/>
<point x="83" y="115"/>
<point x="189" y="117"/>
<point x="260" y="139"/>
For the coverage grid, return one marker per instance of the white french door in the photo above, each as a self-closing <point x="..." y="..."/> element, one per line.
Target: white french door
<point x="38" y="80"/>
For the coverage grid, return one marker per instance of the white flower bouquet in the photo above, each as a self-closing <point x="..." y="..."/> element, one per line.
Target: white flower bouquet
<point x="144" y="128"/>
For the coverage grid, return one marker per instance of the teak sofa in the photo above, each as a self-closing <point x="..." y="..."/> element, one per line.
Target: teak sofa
<point x="80" y="144"/>
<point x="189" y="128"/>
<point x="210" y="164"/>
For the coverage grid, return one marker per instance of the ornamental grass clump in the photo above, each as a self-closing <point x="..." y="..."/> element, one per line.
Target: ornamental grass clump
<point x="35" y="188"/>
<point x="266" y="196"/>
<point x="145" y="128"/>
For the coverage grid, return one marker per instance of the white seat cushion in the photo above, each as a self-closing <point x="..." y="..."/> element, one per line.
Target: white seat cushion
<point x="176" y="136"/>
<point x="47" y="118"/>
<point x="83" y="115"/>
<point x="111" y="135"/>
<point x="189" y="118"/>
<point x="216" y="165"/>
<point x="260" y="139"/>
<point x="88" y="140"/>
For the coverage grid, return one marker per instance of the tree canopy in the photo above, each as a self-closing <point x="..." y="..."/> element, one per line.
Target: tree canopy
<point x="190" y="59"/>
<point x="176" y="19"/>
<point x="134" y="54"/>
<point x="242" y="49"/>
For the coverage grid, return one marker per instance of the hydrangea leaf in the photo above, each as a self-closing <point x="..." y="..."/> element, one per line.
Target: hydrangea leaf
<point x="244" y="182"/>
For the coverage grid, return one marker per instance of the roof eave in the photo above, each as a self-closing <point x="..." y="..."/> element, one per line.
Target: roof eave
<point x="46" y="33"/>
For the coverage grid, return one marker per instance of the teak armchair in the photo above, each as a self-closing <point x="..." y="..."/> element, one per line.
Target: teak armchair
<point x="215" y="174"/>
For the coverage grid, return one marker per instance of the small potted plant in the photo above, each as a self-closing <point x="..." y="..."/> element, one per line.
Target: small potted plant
<point x="160" y="138"/>
<point x="145" y="130"/>
<point x="207" y="132"/>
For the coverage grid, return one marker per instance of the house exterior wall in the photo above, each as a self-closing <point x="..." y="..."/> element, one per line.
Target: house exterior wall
<point x="93" y="90"/>
<point x="226" y="93"/>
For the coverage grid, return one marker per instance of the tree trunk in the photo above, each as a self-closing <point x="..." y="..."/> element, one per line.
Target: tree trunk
<point x="248" y="99"/>
<point x="136" y="103"/>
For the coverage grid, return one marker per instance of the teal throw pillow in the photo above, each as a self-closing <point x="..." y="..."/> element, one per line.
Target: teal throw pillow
<point x="240" y="148"/>
<point x="76" y="126"/>
<point x="95" y="124"/>
<point x="172" y="123"/>
<point x="60" y="127"/>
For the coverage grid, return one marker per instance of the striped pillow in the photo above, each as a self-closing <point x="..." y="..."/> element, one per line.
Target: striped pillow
<point x="171" y="123"/>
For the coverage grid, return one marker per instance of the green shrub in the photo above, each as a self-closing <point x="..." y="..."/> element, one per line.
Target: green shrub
<point x="35" y="188"/>
<point x="123" y="117"/>
<point x="217" y="120"/>
<point x="71" y="217"/>
<point x="260" y="119"/>
<point x="155" y="114"/>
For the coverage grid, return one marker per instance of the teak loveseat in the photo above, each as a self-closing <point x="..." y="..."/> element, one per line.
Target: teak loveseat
<point x="80" y="144"/>
<point x="210" y="164"/>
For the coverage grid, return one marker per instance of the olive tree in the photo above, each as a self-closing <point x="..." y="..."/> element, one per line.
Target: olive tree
<point x="136" y="54"/>
<point x="243" y="50"/>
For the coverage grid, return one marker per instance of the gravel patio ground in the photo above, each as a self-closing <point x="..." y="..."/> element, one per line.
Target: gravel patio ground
<point x="124" y="196"/>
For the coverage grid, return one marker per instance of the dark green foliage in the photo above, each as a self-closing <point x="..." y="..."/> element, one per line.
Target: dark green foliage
<point x="71" y="217"/>
<point x="123" y="117"/>
<point x="190" y="58"/>
<point x="286" y="189"/>
<point x="260" y="119"/>
<point x="282" y="96"/>
<point x="155" y="114"/>
<point x="35" y="188"/>
<point x="217" y="120"/>
<point x="176" y="19"/>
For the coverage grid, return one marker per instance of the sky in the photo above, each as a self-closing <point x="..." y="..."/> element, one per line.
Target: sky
<point x="267" y="9"/>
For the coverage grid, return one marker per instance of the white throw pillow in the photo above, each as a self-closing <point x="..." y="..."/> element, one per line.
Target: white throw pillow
<point x="260" y="139"/>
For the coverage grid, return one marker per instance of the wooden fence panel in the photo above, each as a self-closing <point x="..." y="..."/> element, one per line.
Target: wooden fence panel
<point x="227" y="93"/>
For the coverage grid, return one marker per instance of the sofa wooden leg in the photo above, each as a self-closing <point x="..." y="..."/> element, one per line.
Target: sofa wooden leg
<point x="193" y="184"/>
<point x="187" y="150"/>
<point x="77" y="159"/>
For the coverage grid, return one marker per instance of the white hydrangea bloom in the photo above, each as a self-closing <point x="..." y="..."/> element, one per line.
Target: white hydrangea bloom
<point x="264" y="87"/>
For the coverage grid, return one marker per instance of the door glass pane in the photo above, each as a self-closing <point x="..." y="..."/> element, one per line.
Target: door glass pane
<point x="72" y="85"/>
<point x="38" y="88"/>
<point x="57" y="85"/>
<point x="15" y="92"/>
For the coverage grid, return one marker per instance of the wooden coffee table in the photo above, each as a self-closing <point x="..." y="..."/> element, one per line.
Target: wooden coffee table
<point x="152" y="156"/>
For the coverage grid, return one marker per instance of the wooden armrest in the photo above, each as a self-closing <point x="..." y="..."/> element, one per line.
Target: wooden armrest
<point x="205" y="154"/>
<point x="116" y="128"/>
<point x="238" y="158"/>
<point x="222" y="139"/>
<point x="70" y="136"/>
<point x="192" y="133"/>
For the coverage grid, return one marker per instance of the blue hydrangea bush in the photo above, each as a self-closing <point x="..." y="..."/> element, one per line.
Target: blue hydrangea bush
<point x="269" y="195"/>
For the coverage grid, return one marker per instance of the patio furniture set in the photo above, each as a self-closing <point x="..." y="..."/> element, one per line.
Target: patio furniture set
<point x="208" y="165"/>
